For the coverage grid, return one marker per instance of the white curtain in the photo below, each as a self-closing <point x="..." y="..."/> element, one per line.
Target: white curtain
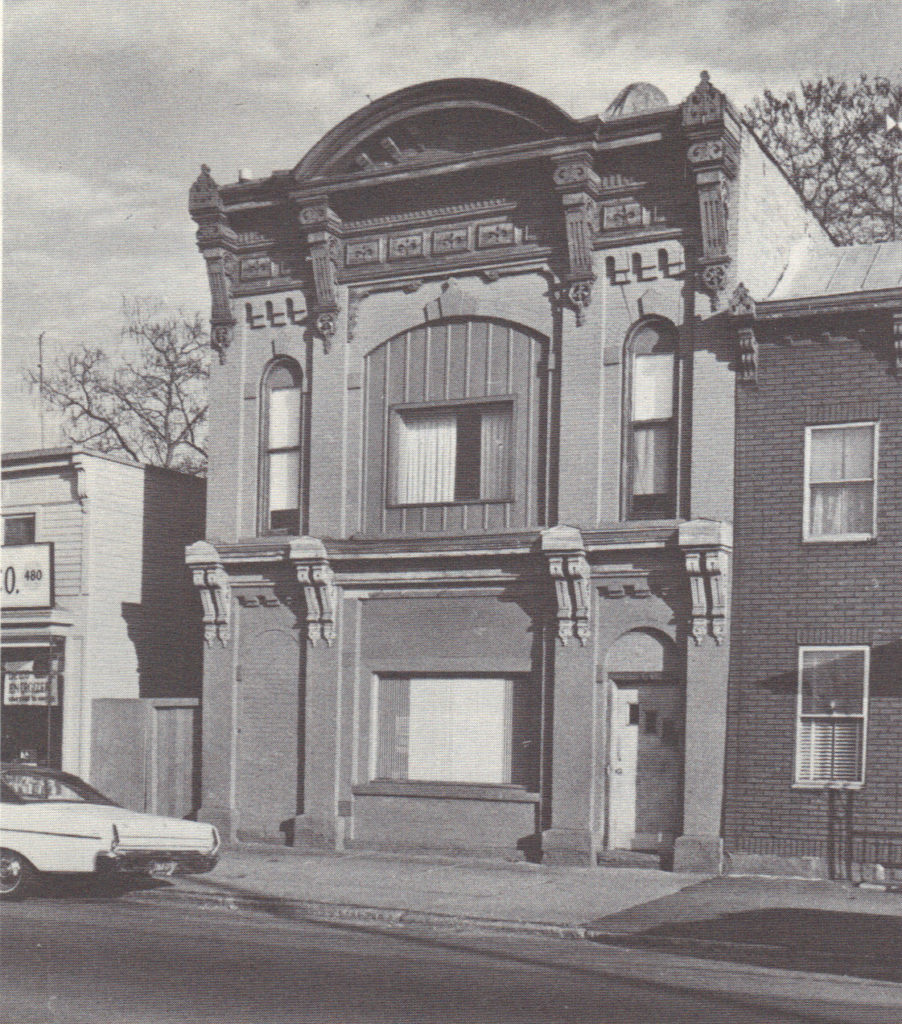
<point x="427" y="448"/>
<point x="284" y="418"/>
<point x="841" y="474"/>
<point x="652" y="387"/>
<point x="284" y="482"/>
<point x="651" y="459"/>
<point x="493" y="458"/>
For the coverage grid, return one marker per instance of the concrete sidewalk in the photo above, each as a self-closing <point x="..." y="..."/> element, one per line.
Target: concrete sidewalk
<point x="817" y="925"/>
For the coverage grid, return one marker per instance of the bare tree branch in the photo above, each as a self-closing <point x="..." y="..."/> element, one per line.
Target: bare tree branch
<point x="830" y="141"/>
<point x="145" y="397"/>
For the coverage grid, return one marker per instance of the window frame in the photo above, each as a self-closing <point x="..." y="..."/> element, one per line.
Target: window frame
<point x="669" y="335"/>
<point x="264" y="527"/>
<point x="513" y="680"/>
<point x="821" y="784"/>
<point x="21" y="515"/>
<point x="395" y="413"/>
<point x="839" y="538"/>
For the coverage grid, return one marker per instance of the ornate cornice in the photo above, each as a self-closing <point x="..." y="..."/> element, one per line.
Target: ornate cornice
<point x="216" y="241"/>
<point x="712" y="155"/>
<point x="579" y="187"/>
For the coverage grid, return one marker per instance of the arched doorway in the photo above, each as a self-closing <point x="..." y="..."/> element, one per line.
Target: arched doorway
<point x="643" y="673"/>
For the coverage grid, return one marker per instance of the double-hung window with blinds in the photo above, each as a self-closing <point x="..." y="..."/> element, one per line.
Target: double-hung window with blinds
<point x="831" y="715"/>
<point x="450" y="454"/>
<point x="840" y="486"/>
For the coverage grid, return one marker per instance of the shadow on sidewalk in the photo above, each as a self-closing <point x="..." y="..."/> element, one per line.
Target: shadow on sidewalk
<point x="835" y="942"/>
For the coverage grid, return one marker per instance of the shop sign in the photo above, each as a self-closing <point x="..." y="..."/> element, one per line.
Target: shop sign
<point x="29" y="689"/>
<point x="28" y="576"/>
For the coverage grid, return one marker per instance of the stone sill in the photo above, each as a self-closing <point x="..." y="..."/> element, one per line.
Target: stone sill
<point x="447" y="791"/>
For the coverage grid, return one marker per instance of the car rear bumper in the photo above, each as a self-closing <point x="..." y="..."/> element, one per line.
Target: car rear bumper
<point x="157" y="862"/>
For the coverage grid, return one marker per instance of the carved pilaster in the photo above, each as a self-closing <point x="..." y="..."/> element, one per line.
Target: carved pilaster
<point x="579" y="186"/>
<point x="322" y="227"/>
<point x="314" y="573"/>
<point x="212" y="582"/>
<point x="569" y="571"/>
<point x="706" y="549"/>
<point x="713" y="132"/>
<point x="897" y="342"/>
<point x="216" y="241"/>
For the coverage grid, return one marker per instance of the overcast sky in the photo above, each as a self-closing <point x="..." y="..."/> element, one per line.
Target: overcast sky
<point x="110" y="107"/>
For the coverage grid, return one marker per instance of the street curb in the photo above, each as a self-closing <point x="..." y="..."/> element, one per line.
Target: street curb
<point x="312" y="910"/>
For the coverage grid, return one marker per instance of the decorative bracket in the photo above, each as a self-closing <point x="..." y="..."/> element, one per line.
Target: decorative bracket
<point x="212" y="582"/>
<point x="579" y="187"/>
<point x="713" y="132"/>
<point x="569" y="570"/>
<point x="323" y="226"/>
<point x="706" y="546"/>
<point x="897" y="342"/>
<point x="314" y="573"/>
<point x="742" y="306"/>
<point x="216" y="241"/>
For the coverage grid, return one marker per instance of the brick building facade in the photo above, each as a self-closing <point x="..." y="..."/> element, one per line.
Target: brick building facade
<point x="466" y="575"/>
<point x="814" y="752"/>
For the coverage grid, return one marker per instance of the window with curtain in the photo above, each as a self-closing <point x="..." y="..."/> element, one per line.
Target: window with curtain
<point x="832" y="706"/>
<point x="841" y="481"/>
<point x="651" y="429"/>
<point x="449" y="454"/>
<point x="456" y="729"/>
<point x="281" y="462"/>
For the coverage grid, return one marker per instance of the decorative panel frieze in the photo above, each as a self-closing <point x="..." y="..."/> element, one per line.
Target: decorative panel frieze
<point x="405" y="247"/>
<point x="489" y="236"/>
<point x="629" y="215"/>
<point x="256" y="268"/>
<point x="449" y="240"/>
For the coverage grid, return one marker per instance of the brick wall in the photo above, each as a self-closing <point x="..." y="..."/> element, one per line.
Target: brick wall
<point x="787" y="592"/>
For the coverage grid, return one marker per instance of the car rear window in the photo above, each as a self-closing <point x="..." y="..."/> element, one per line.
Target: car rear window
<point x="42" y="787"/>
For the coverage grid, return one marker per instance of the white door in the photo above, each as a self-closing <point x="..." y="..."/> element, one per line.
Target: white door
<point x="644" y="766"/>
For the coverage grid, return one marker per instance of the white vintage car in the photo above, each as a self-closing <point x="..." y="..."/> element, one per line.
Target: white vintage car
<point x="53" y="822"/>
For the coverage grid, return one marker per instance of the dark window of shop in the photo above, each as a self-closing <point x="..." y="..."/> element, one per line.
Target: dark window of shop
<point x="32" y="722"/>
<point x="18" y="530"/>
<point x="650" y="422"/>
<point x="281" y="436"/>
<point x="457" y="729"/>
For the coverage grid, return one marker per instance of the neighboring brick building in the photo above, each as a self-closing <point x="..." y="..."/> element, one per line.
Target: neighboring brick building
<point x="814" y="755"/>
<point x="99" y="638"/>
<point x="461" y="321"/>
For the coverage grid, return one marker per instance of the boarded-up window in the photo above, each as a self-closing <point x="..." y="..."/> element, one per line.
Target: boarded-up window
<point x="456" y="729"/>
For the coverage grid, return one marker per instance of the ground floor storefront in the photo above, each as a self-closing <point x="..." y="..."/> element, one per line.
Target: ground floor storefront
<point x="548" y="695"/>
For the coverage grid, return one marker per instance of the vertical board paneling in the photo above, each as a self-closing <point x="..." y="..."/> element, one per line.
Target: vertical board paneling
<point x="453" y="361"/>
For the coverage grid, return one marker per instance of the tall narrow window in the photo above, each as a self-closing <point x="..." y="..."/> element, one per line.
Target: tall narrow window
<point x="281" y="463"/>
<point x="841" y="468"/>
<point x="651" y="429"/>
<point x="832" y="706"/>
<point x="453" y="454"/>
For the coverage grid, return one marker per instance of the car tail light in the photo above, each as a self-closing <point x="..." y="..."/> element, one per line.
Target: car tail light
<point x="215" y="841"/>
<point x="114" y="845"/>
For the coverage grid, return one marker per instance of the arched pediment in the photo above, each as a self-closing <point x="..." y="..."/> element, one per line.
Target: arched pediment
<point x="432" y="122"/>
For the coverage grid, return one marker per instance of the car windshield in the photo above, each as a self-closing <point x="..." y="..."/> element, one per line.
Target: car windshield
<point x="20" y="785"/>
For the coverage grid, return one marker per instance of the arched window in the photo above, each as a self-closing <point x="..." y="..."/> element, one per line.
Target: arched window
<point x="650" y="426"/>
<point x="280" y="461"/>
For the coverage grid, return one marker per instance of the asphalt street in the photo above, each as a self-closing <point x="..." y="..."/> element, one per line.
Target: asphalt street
<point x="87" y="960"/>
